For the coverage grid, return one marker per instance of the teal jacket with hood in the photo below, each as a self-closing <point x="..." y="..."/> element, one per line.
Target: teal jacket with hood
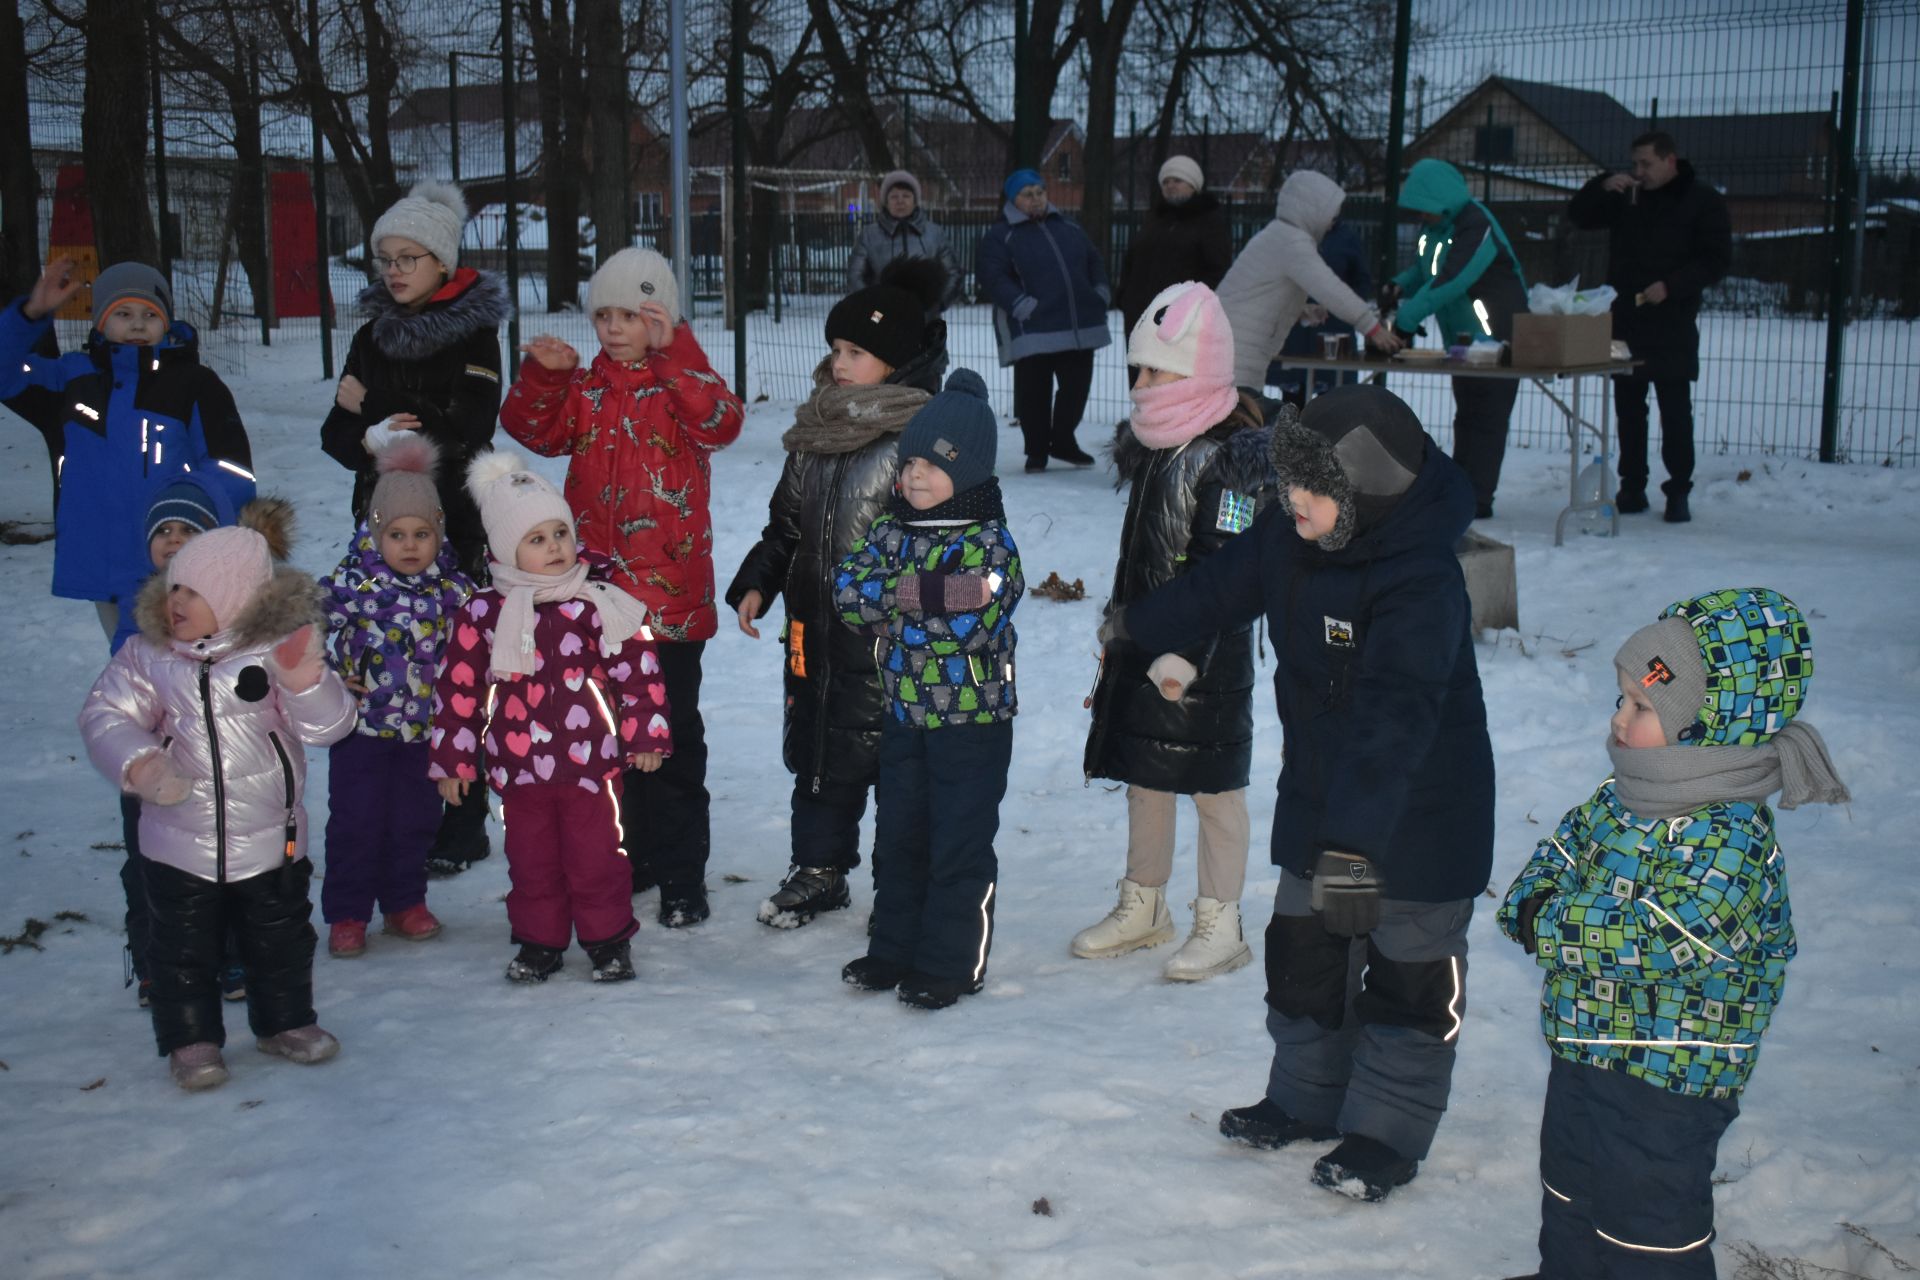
<point x="1466" y="273"/>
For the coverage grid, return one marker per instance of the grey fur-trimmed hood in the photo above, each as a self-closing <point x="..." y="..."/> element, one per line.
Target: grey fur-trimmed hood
<point x="290" y="600"/>
<point x="403" y="334"/>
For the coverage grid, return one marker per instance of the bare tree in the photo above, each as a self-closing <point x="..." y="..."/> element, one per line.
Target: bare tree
<point x="113" y="130"/>
<point x="559" y="55"/>
<point x="609" y="200"/>
<point x="19" y="183"/>
<point x="1105" y="34"/>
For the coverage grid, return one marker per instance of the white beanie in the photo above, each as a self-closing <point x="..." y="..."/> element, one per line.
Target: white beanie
<point x="431" y="215"/>
<point x="631" y="277"/>
<point x="512" y="499"/>
<point x="1185" y="168"/>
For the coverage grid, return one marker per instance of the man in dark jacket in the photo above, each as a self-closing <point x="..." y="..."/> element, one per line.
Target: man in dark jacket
<point x="1383" y="826"/>
<point x="1668" y="240"/>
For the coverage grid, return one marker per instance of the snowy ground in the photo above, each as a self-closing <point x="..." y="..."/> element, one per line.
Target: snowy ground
<point x="738" y="1112"/>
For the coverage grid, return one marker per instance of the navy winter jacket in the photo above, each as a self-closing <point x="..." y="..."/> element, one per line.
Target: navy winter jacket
<point x="1047" y="284"/>
<point x="134" y="416"/>
<point x="1379" y="696"/>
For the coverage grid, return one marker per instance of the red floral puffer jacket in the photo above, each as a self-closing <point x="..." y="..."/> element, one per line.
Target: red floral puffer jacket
<point x="640" y="478"/>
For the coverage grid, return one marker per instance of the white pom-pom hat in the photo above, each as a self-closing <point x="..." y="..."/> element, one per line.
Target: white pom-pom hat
<point x="431" y="215"/>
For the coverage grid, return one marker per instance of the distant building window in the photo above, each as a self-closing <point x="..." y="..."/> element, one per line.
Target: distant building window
<point x="1493" y="144"/>
<point x="646" y="208"/>
<point x="1065" y="168"/>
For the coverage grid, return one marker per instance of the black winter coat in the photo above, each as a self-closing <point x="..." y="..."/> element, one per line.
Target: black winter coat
<point x="1177" y="242"/>
<point x="1379" y="696"/>
<point x="1679" y="234"/>
<point x="1185" y="504"/>
<point x="821" y="510"/>
<point x="441" y="364"/>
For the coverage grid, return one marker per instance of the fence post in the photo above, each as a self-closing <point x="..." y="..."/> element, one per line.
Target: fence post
<point x="160" y="151"/>
<point x="1839" y="304"/>
<point x="321" y="253"/>
<point x="737" y="108"/>
<point x="510" y="164"/>
<point x="1396" y="126"/>
<point x="453" y="115"/>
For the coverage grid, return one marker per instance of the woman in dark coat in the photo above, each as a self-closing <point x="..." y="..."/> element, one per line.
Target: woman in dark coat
<point x="426" y="360"/>
<point x="1185" y="237"/>
<point x="1195" y="454"/>
<point x="888" y="355"/>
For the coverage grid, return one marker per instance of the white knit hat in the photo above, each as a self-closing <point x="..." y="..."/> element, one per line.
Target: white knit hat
<point x="226" y="566"/>
<point x="1185" y="168"/>
<point x="512" y="499"/>
<point x="431" y="215"/>
<point x="631" y="277"/>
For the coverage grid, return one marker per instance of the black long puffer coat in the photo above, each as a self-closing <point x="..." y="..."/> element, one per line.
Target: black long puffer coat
<point x="820" y="511"/>
<point x="441" y="364"/>
<point x="1186" y="502"/>
<point x="1187" y="241"/>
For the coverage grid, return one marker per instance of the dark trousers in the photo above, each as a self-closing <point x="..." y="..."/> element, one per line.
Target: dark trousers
<point x="1364" y="1029"/>
<point x="132" y="885"/>
<point x="668" y="832"/>
<point x="564" y="861"/>
<point x="1627" y="1170"/>
<point x="937" y="812"/>
<point x="1048" y="420"/>
<point x="382" y="813"/>
<point x="1676" y="431"/>
<point x="1482" y="409"/>
<point x="190" y="917"/>
<point x="826" y="823"/>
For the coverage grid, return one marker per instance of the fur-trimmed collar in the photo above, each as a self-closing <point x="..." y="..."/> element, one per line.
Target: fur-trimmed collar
<point x="1197" y="205"/>
<point x="403" y="334"/>
<point x="288" y="602"/>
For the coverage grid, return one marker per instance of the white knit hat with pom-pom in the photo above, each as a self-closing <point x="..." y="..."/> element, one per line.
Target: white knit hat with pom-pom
<point x="512" y="500"/>
<point x="406" y="486"/>
<point x="431" y="215"/>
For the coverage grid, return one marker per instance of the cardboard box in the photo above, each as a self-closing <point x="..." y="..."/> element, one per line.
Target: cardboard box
<point x="1561" y="342"/>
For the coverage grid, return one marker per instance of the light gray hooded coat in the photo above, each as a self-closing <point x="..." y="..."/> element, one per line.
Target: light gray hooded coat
<point x="1268" y="285"/>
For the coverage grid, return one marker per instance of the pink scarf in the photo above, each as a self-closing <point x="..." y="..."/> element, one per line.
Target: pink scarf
<point x="1175" y="412"/>
<point x="621" y="616"/>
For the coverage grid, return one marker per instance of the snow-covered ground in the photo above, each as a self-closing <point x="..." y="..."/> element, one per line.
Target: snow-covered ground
<point x="739" y="1112"/>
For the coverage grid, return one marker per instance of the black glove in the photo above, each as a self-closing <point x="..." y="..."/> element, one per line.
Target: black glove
<point x="1523" y="919"/>
<point x="1346" y="893"/>
<point x="1113" y="627"/>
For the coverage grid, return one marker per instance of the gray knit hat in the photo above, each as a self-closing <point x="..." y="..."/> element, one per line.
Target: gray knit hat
<point x="432" y="216"/>
<point x="1360" y="445"/>
<point x="136" y="280"/>
<point x="1664" y="659"/>
<point x="900" y="178"/>
<point x="406" y="485"/>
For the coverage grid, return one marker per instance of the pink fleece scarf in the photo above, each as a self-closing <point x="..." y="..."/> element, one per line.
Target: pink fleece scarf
<point x="1175" y="412"/>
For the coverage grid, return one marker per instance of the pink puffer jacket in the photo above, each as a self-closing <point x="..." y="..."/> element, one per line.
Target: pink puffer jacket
<point x="215" y="708"/>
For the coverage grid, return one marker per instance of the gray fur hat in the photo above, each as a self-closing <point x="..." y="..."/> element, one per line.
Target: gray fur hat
<point x="1360" y="445"/>
<point x="432" y="216"/>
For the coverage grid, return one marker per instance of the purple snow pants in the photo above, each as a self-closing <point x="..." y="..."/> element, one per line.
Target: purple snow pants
<point x="566" y="861"/>
<point x="382" y="815"/>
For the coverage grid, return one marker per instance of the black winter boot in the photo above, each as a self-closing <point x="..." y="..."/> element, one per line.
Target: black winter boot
<point x="683" y="904"/>
<point x="924" y="991"/>
<point x="535" y="963"/>
<point x="612" y="961"/>
<point x="806" y="892"/>
<point x="1677" y="509"/>
<point x="1631" y="500"/>
<point x="871" y="973"/>
<point x="1364" y="1169"/>
<point x="1267" y="1125"/>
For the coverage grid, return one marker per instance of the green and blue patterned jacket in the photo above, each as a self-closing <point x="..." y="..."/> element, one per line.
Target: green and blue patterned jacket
<point x="938" y="669"/>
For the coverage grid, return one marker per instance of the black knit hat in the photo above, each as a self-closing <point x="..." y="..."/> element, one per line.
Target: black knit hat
<point x="890" y="319"/>
<point x="1360" y="445"/>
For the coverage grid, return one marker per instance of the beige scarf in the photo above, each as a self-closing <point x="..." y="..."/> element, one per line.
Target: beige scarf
<point x="842" y="419"/>
<point x="621" y="616"/>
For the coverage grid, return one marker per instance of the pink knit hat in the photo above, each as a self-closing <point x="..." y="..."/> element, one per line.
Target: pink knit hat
<point x="1184" y="330"/>
<point x="405" y="487"/>
<point x="512" y="498"/>
<point x="226" y="566"/>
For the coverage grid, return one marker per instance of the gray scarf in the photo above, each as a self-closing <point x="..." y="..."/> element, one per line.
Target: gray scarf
<point x="843" y="419"/>
<point x="1664" y="782"/>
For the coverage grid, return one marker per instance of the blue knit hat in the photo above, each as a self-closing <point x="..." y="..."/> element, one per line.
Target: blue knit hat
<point x="955" y="431"/>
<point x="1020" y="179"/>
<point x="187" y="502"/>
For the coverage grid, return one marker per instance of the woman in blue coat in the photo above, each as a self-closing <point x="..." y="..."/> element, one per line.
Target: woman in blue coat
<point x="1050" y="298"/>
<point x="1383" y="827"/>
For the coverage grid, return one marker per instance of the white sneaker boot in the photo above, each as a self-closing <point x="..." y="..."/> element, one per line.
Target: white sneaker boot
<point x="1214" y="947"/>
<point x="1138" y="920"/>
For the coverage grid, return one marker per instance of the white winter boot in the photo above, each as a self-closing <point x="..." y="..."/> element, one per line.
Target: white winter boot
<point x="1214" y="947"/>
<point x="1138" y="920"/>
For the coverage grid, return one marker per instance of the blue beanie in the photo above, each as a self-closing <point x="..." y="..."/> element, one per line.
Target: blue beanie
<point x="955" y="431"/>
<point x="187" y="502"/>
<point x="1020" y="179"/>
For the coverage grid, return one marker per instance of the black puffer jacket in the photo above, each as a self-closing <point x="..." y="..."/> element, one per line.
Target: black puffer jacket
<point x="1678" y="234"/>
<point x="441" y="364"/>
<point x="820" y="511"/>
<point x="1186" y="502"/>
<point x="1177" y="242"/>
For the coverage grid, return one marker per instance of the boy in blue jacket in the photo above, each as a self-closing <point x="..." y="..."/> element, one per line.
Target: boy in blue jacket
<point x="937" y="580"/>
<point x="141" y="409"/>
<point x="1659" y="910"/>
<point x="1383" y="827"/>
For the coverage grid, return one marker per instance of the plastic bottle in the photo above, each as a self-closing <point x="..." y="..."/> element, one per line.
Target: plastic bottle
<point x="1589" y="487"/>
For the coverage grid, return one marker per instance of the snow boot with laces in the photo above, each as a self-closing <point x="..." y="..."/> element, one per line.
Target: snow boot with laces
<point x="1138" y="920"/>
<point x="1214" y="947"/>
<point x="806" y="892"/>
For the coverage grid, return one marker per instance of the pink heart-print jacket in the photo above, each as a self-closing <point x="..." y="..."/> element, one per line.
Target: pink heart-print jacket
<point x="574" y="719"/>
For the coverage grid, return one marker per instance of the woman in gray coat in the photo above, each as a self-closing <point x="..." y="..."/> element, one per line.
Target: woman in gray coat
<point x="901" y="229"/>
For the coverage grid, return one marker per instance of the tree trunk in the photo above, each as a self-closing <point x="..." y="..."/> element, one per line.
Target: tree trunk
<point x="1105" y="37"/>
<point x="610" y="185"/>
<point x="250" y="198"/>
<point x="1044" y="64"/>
<point x="850" y="87"/>
<point x="19" y="184"/>
<point x="113" y="131"/>
<point x="383" y="76"/>
<point x="556" y="81"/>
